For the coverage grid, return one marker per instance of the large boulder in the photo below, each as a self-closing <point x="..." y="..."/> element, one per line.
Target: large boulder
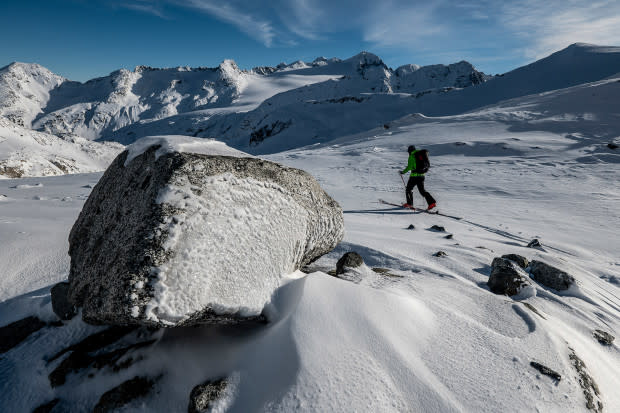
<point x="519" y="259"/>
<point x="550" y="276"/>
<point x="181" y="232"/>
<point x="507" y="277"/>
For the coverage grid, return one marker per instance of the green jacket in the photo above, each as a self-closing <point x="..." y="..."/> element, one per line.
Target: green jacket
<point x="411" y="165"/>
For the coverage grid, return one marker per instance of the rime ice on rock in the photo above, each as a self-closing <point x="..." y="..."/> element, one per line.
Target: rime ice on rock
<point x="170" y="238"/>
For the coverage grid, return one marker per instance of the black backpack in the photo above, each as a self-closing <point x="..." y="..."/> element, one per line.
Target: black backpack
<point x="421" y="161"/>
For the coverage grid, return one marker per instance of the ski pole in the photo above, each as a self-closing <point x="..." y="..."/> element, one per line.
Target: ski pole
<point x="403" y="179"/>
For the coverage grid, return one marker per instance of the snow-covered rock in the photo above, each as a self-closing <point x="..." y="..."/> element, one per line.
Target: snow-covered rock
<point x="507" y="277"/>
<point x="172" y="238"/>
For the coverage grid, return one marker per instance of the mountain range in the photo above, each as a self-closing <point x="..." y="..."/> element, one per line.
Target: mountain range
<point x="263" y="110"/>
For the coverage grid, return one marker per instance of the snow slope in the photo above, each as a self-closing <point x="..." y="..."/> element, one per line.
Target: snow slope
<point x="429" y="336"/>
<point x="334" y="108"/>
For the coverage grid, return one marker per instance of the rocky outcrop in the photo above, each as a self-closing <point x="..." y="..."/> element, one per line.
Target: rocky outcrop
<point x="184" y="238"/>
<point x="518" y="259"/>
<point x="203" y="396"/>
<point x="590" y="389"/>
<point x="535" y="243"/>
<point x="349" y="260"/>
<point x="14" y="333"/>
<point x="603" y="337"/>
<point x="507" y="277"/>
<point x="60" y="302"/>
<point x="546" y="370"/>
<point x="550" y="276"/>
<point x="124" y="393"/>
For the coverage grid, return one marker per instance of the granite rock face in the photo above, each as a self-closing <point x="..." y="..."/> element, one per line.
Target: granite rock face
<point x="184" y="238"/>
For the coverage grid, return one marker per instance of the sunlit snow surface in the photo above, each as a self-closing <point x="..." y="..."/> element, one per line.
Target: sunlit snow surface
<point x="170" y="144"/>
<point x="233" y="244"/>
<point x="431" y="337"/>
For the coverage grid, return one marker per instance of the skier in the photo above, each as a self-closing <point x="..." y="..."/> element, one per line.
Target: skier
<point x="416" y="178"/>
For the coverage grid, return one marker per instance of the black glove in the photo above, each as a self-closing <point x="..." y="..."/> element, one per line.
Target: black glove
<point x="402" y="173"/>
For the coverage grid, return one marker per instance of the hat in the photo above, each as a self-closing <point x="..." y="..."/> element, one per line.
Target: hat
<point x="411" y="148"/>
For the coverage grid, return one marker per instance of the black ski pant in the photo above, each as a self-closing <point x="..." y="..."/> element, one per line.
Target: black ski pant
<point x="419" y="181"/>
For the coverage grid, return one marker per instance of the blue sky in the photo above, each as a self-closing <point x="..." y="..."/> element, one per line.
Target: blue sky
<point x="82" y="39"/>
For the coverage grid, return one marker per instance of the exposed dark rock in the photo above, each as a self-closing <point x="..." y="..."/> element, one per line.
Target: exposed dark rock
<point x="519" y="259"/>
<point x="587" y="383"/>
<point x="79" y="360"/>
<point x="60" y="301"/>
<point x="534" y="310"/>
<point x="438" y="228"/>
<point x="550" y="276"/>
<point x="268" y="131"/>
<point x="449" y="236"/>
<point x="506" y="277"/>
<point x="46" y="407"/>
<point x="202" y="396"/>
<point x="124" y="393"/>
<point x="386" y="272"/>
<point x="534" y="243"/>
<point x="349" y="260"/>
<point x="13" y="334"/>
<point x="121" y="233"/>
<point x="603" y="337"/>
<point x="96" y="341"/>
<point x="411" y="226"/>
<point x="612" y="145"/>
<point x="440" y="254"/>
<point x="546" y="370"/>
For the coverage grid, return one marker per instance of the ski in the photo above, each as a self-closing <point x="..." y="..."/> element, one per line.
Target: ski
<point x="396" y="205"/>
<point x="432" y="212"/>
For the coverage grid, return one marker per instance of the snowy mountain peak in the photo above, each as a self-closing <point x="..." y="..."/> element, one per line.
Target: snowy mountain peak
<point x="24" y="90"/>
<point x="365" y="59"/>
<point x="34" y="70"/>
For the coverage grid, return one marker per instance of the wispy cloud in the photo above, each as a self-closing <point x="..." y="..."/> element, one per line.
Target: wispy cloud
<point x="250" y="22"/>
<point x="439" y="29"/>
<point x="546" y="27"/>
<point x="144" y="6"/>
<point x="394" y="24"/>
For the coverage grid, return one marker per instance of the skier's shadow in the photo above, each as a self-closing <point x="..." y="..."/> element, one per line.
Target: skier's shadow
<point x="393" y="211"/>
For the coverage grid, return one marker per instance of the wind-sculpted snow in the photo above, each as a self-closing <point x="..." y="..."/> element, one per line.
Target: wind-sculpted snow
<point x="172" y="238"/>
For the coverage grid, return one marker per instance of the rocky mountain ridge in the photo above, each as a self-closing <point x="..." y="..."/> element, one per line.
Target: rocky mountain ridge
<point x="38" y="99"/>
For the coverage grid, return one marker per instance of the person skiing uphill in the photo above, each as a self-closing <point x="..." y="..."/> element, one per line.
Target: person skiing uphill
<point x="416" y="178"/>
